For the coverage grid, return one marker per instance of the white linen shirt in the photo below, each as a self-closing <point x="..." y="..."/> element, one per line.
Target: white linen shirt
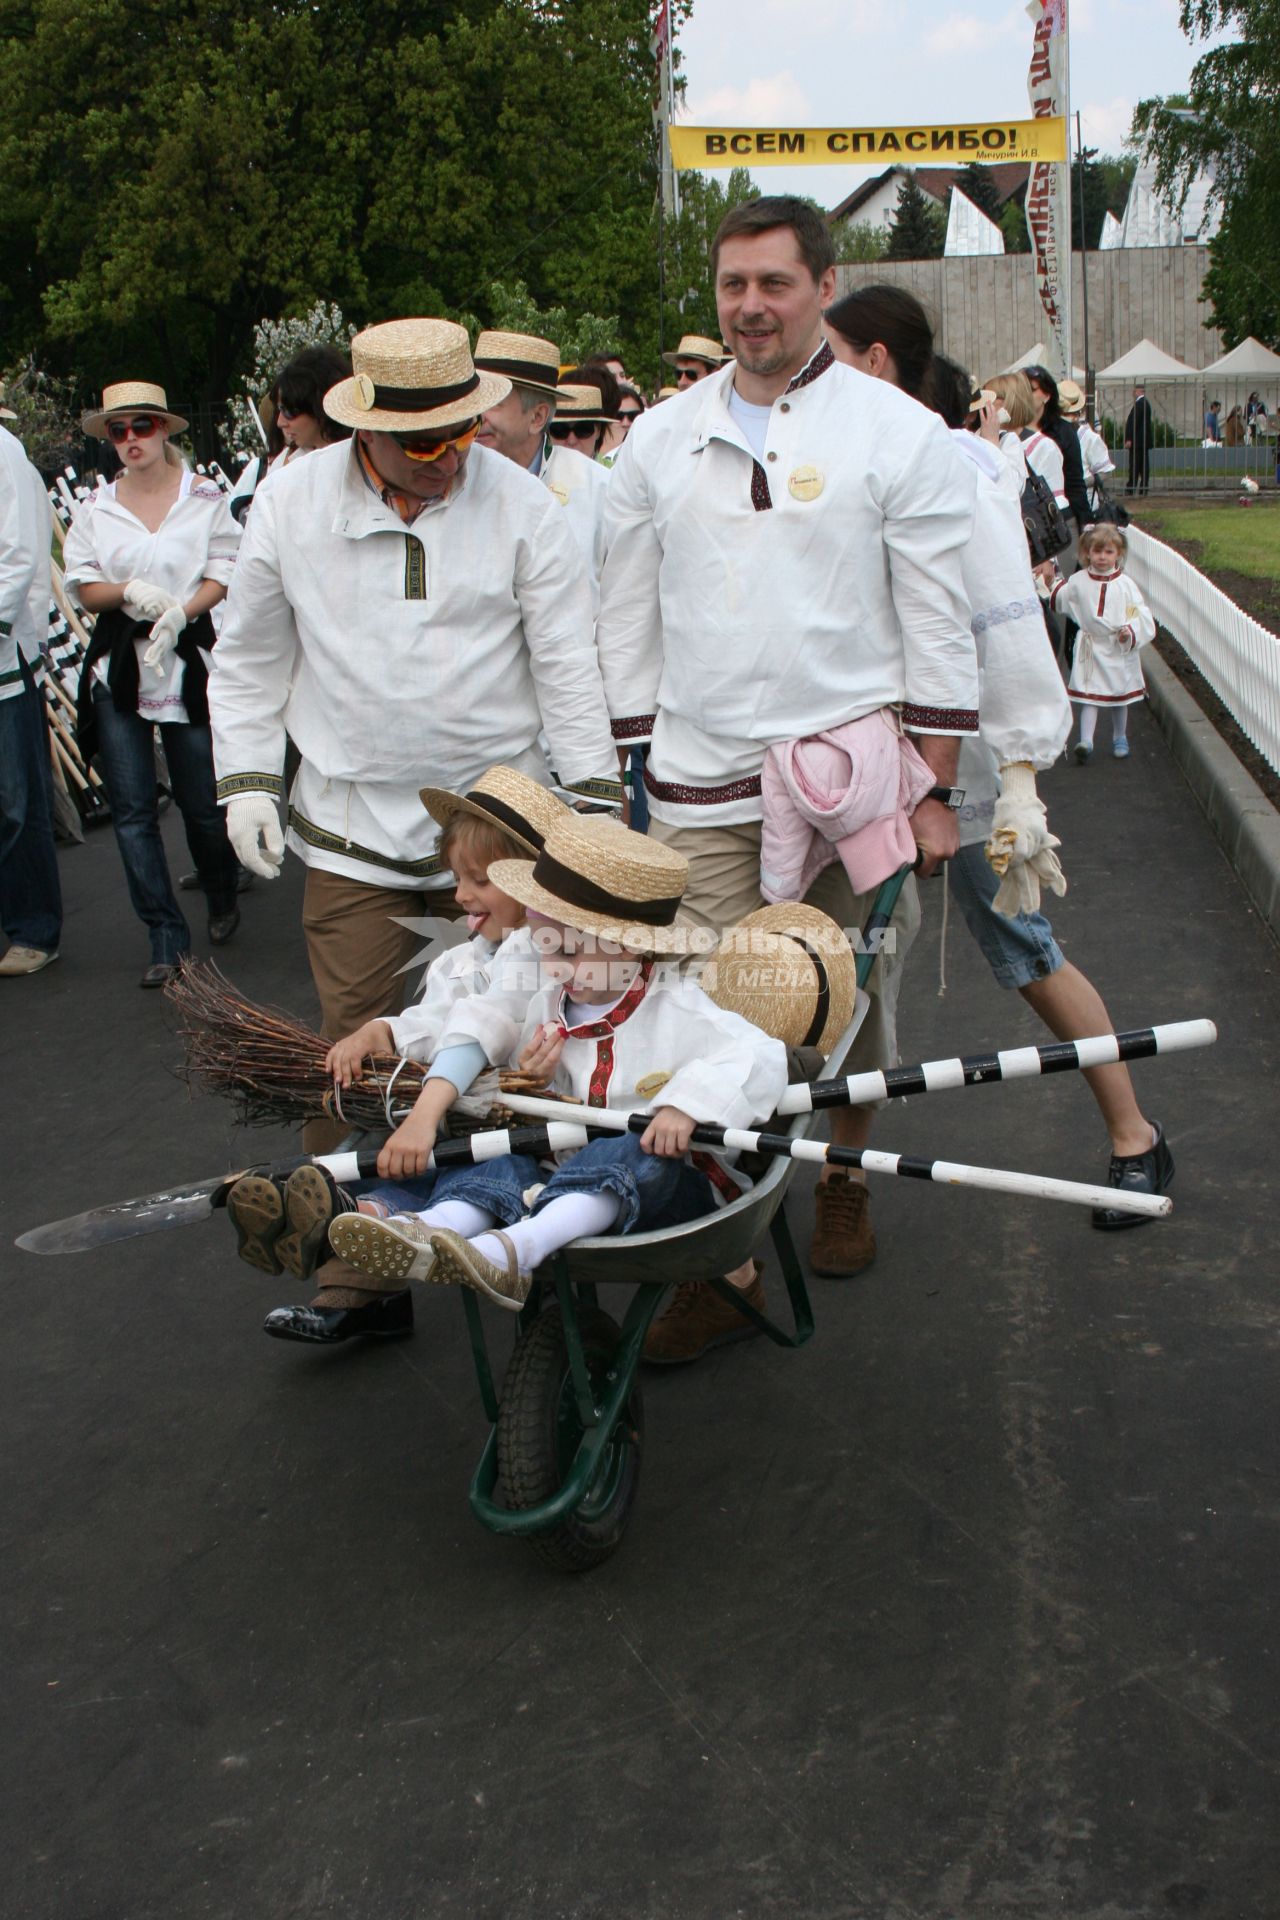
<point x="581" y="487"/>
<point x="1023" y="710"/>
<point x="399" y="655"/>
<point x="25" y="588"/>
<point x="723" y="1070"/>
<point x="197" y="540"/>
<point x="454" y="975"/>
<point x="1096" y="455"/>
<point x="745" y="602"/>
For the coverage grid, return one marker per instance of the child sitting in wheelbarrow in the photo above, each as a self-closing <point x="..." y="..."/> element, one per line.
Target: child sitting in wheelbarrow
<point x="609" y="1026"/>
<point x="282" y="1224"/>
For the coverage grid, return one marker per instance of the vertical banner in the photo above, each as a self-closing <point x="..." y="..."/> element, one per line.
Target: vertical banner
<point x="1049" y="188"/>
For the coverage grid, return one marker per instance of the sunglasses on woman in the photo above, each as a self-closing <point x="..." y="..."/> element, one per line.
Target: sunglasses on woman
<point x="574" y="429"/>
<point x="141" y="428"/>
<point x="632" y="413"/>
<point x="418" y="448"/>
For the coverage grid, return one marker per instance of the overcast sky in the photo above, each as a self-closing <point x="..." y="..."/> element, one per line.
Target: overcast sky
<point x="826" y="63"/>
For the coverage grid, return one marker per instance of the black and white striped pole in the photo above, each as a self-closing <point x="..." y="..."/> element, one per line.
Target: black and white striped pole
<point x="582" y="1124"/>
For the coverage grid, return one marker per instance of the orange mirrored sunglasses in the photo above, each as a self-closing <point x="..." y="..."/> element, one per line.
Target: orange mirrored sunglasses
<point x="426" y="451"/>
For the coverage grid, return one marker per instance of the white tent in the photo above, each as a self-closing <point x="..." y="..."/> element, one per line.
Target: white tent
<point x="1249" y="361"/>
<point x="1037" y="356"/>
<point x="969" y="230"/>
<point x="1144" y="364"/>
<point x="1110" y="236"/>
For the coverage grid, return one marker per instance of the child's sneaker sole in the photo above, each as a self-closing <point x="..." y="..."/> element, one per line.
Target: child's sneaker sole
<point x="255" y="1206"/>
<point x="382" y="1248"/>
<point x="310" y="1204"/>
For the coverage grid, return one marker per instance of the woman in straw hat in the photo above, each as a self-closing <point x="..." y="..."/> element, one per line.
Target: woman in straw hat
<point x="609" y="1028"/>
<point x="281" y="1224"/>
<point x="407" y="606"/>
<point x="149" y="554"/>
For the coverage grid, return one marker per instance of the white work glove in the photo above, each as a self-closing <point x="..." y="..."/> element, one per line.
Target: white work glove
<point x="249" y="816"/>
<point x="164" y="636"/>
<point x="1021" y="847"/>
<point x="142" y="601"/>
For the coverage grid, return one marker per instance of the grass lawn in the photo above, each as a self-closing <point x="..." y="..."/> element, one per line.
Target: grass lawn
<point x="1229" y="538"/>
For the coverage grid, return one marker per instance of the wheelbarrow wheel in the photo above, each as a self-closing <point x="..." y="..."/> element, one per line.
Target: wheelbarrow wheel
<point x="539" y="1430"/>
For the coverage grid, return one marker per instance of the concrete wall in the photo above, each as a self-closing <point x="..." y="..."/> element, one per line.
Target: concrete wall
<point x="986" y="313"/>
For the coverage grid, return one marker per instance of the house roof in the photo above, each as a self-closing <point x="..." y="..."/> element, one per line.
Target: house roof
<point x="1008" y="178"/>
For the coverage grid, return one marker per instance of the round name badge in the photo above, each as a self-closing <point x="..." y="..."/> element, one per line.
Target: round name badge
<point x="363" y="392"/>
<point x="651" y="1084"/>
<point x="806" y="483"/>
<point x="559" y="491"/>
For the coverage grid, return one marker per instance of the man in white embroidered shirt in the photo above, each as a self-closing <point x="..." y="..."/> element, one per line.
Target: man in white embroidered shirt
<point x="783" y="557"/>
<point x="412" y="609"/>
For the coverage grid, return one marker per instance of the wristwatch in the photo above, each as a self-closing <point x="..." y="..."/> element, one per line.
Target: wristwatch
<point x="952" y="797"/>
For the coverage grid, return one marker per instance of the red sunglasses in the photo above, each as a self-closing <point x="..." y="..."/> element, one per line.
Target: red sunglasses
<point x="141" y="427"/>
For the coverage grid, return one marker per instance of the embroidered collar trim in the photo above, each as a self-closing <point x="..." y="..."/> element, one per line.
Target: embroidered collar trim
<point x="599" y="1029"/>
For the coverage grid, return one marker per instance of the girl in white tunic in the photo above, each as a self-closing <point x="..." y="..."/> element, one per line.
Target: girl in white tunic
<point x="149" y="554"/>
<point x="1114" y="621"/>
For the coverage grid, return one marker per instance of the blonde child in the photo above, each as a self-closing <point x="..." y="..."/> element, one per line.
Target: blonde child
<point x="1114" y="622"/>
<point x="609" y="1027"/>
<point x="282" y="1225"/>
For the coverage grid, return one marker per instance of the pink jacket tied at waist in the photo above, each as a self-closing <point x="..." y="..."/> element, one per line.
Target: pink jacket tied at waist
<point x="845" y="794"/>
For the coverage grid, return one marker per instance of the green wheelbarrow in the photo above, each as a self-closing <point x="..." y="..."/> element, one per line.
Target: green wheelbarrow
<point x="561" y="1466"/>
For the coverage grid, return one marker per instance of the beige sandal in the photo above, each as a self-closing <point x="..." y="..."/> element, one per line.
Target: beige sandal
<point x="457" y="1260"/>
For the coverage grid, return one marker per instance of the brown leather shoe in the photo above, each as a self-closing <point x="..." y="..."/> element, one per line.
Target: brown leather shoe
<point x="844" y="1240"/>
<point x="696" y="1319"/>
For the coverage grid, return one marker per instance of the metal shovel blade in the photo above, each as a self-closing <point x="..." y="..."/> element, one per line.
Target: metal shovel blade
<point x="127" y="1219"/>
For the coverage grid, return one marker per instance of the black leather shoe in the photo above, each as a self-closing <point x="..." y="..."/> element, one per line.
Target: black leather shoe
<point x="1149" y="1172"/>
<point x="388" y="1315"/>
<point x="158" y="975"/>
<point x="222" y="926"/>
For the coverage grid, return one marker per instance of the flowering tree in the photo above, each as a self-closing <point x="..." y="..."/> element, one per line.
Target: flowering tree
<point x="274" y="343"/>
<point x="48" y="422"/>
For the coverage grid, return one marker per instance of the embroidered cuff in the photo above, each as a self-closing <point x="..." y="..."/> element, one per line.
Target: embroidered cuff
<point x="939" y="719"/>
<point x="637" y="726"/>
<point x="608" y="792"/>
<point x="236" y="783"/>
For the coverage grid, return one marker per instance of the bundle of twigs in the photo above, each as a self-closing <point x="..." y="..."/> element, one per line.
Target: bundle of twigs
<point x="272" y="1065"/>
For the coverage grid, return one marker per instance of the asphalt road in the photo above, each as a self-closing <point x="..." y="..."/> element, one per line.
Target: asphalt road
<point x="968" y="1608"/>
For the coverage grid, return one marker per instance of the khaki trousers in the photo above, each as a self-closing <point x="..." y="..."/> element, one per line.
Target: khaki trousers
<point x="724" y="887"/>
<point x="358" y="955"/>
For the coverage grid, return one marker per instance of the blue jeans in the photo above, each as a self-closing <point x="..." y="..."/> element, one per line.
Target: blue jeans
<point x="30" y="893"/>
<point x="128" y="763"/>
<point x="1019" y="951"/>
<point x="496" y="1186"/>
<point x="654" y="1191"/>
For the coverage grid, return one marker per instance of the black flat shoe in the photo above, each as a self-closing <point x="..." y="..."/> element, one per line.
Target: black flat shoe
<point x="158" y="975"/>
<point x="389" y="1316"/>
<point x="190" y="882"/>
<point x="1149" y="1172"/>
<point x="222" y="926"/>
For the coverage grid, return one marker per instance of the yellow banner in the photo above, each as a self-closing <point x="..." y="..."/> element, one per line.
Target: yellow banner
<point x="956" y="145"/>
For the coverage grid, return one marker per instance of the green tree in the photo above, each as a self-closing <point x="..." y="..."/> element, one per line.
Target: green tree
<point x="1230" y="127"/>
<point x="857" y="241"/>
<point x="919" y="227"/>
<point x="1013" y="224"/>
<point x="976" y="184"/>
<point x="169" y="172"/>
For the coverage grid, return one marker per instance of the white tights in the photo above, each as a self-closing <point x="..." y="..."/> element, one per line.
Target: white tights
<point x="571" y="1216"/>
<point x="1089" y="720"/>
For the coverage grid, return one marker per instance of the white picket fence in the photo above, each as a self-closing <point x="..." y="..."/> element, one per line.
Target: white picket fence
<point x="1238" y="656"/>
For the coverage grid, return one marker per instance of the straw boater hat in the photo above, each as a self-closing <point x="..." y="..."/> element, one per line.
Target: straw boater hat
<point x="411" y="376"/>
<point x="665" y="393"/>
<point x="505" y="799"/>
<point x="131" y="396"/>
<point x="583" y="404"/>
<point x="526" y="360"/>
<point x="789" y="970"/>
<point x="695" y="346"/>
<point x="1070" y="398"/>
<point x="600" y="877"/>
